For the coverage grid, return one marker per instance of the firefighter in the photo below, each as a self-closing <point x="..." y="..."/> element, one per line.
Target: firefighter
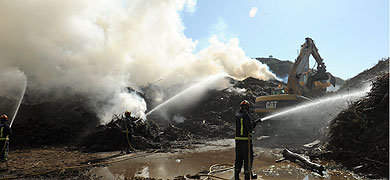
<point x="127" y="131"/>
<point x="244" y="148"/>
<point x="5" y="132"/>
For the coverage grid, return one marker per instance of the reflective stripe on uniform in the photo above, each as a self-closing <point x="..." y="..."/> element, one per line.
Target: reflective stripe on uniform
<point x="1" y="135"/>
<point x="241" y="138"/>
<point x="126" y="131"/>
<point x="242" y="127"/>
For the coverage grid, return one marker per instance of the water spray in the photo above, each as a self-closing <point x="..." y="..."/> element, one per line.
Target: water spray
<point x="328" y="100"/>
<point x="20" y="102"/>
<point x="203" y="83"/>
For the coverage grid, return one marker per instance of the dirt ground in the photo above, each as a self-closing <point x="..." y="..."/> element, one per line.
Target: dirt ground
<point x="68" y="163"/>
<point x="30" y="163"/>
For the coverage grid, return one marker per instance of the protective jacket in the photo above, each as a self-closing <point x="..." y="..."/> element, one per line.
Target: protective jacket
<point x="5" y="131"/>
<point x="128" y="125"/>
<point x="243" y="125"/>
<point x="244" y="148"/>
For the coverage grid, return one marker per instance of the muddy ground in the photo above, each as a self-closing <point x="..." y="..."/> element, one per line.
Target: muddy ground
<point x="190" y="162"/>
<point x="63" y="162"/>
<point x="46" y="163"/>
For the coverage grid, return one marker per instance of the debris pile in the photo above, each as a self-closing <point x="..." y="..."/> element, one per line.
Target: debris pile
<point x="68" y="120"/>
<point x="147" y="135"/>
<point x="359" y="135"/>
<point x="57" y="122"/>
<point x="212" y="117"/>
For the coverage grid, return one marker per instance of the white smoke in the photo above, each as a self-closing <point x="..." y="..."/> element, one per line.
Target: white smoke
<point x="12" y="82"/>
<point x="178" y="119"/>
<point x="99" y="48"/>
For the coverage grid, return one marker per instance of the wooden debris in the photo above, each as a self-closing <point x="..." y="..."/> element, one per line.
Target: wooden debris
<point x="302" y="161"/>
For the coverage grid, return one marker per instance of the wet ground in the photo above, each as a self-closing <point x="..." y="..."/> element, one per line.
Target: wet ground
<point x="183" y="162"/>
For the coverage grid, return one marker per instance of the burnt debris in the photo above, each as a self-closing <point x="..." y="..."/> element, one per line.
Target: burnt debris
<point x="359" y="135"/>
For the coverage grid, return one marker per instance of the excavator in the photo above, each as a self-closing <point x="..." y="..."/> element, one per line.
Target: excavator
<point x="302" y="82"/>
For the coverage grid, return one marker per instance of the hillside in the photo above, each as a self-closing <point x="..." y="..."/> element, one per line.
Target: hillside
<point x="367" y="76"/>
<point x="282" y="68"/>
<point x="278" y="67"/>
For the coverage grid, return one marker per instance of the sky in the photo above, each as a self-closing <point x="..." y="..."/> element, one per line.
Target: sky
<point x="351" y="35"/>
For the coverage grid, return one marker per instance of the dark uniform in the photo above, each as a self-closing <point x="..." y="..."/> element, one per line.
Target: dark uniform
<point x="243" y="144"/>
<point x="127" y="131"/>
<point x="5" y="132"/>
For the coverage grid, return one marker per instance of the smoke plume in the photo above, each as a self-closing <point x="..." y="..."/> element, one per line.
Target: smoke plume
<point x="98" y="48"/>
<point x="12" y="82"/>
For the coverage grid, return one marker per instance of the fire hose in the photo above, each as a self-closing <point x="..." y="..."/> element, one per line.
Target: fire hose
<point x="211" y="171"/>
<point x="128" y="139"/>
<point x="127" y="133"/>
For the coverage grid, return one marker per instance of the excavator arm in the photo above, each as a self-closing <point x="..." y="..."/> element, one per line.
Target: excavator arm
<point x="303" y="58"/>
<point x="321" y="73"/>
<point x="307" y="49"/>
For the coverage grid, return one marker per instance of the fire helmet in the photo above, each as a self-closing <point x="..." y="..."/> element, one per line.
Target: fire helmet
<point x="127" y="113"/>
<point x="3" y="118"/>
<point x="244" y="104"/>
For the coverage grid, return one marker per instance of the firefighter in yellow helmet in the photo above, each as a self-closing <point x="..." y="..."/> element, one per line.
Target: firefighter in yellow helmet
<point x="244" y="148"/>
<point x="5" y="132"/>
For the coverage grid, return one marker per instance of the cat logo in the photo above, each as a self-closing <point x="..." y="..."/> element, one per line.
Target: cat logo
<point x="271" y="104"/>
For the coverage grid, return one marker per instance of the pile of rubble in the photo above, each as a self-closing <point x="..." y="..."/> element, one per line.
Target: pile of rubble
<point x="359" y="135"/>
<point x="68" y="120"/>
<point x="212" y="117"/>
<point x="146" y="135"/>
<point x="57" y="122"/>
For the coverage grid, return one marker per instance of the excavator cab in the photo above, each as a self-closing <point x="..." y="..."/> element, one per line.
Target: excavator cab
<point x="278" y="90"/>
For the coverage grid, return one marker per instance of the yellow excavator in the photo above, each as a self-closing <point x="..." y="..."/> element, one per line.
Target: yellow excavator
<point x="302" y="81"/>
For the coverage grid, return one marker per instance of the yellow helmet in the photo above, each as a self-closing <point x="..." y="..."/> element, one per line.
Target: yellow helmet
<point x="244" y="104"/>
<point x="3" y="118"/>
<point x="127" y="113"/>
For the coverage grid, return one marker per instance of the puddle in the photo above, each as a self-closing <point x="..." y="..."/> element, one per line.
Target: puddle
<point x="171" y="165"/>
